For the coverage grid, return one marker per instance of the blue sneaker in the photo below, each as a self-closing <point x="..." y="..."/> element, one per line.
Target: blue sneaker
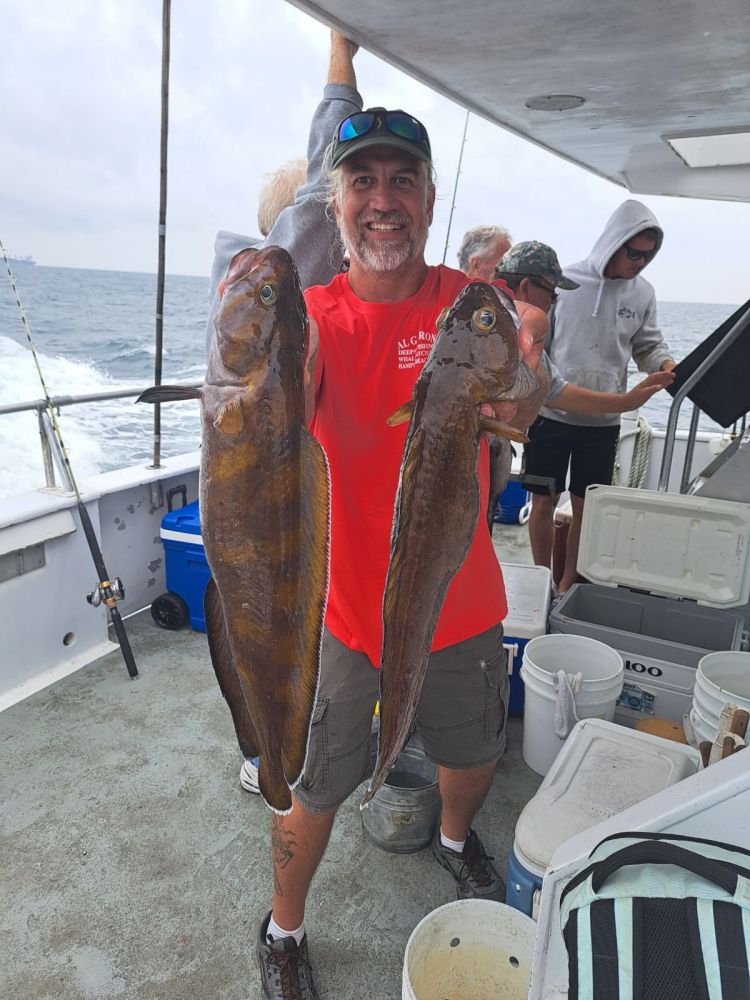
<point x="249" y="776"/>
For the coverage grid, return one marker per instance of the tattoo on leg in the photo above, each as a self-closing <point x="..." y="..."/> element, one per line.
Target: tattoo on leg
<point x="283" y="844"/>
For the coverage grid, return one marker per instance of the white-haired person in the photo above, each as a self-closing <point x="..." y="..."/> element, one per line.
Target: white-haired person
<point x="292" y="211"/>
<point x="481" y="250"/>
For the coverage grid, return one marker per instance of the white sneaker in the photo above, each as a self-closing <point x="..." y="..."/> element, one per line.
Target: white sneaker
<point x="249" y="776"/>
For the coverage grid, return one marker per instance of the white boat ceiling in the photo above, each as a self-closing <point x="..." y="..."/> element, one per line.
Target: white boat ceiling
<point x="646" y="71"/>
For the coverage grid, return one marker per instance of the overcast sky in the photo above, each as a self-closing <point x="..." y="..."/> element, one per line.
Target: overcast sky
<point x="79" y="152"/>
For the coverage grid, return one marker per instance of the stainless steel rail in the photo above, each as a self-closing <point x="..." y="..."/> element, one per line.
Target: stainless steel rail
<point x="39" y="406"/>
<point x="674" y="411"/>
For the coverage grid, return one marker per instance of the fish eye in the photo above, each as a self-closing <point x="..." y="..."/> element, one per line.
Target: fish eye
<point x="268" y="295"/>
<point x="484" y="319"/>
<point x="442" y="317"/>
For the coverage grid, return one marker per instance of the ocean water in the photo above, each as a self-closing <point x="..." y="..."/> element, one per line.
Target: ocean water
<point x="94" y="331"/>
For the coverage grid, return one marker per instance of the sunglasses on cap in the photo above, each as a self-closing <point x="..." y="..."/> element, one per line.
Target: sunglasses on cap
<point x="632" y="254"/>
<point x="379" y="123"/>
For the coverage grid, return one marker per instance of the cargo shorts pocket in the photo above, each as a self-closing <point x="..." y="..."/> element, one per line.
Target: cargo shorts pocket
<point x="315" y="774"/>
<point x="496" y="689"/>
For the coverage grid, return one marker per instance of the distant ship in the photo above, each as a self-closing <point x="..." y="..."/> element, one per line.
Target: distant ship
<point x="26" y="261"/>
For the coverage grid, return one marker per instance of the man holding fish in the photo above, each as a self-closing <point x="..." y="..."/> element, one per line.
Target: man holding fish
<point x="371" y="331"/>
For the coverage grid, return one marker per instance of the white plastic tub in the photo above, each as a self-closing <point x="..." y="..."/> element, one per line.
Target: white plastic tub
<point x="471" y="949"/>
<point x="603" y="670"/>
<point x="722" y="678"/>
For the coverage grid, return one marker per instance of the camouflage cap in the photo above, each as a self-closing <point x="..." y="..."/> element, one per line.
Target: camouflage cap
<point x="535" y="258"/>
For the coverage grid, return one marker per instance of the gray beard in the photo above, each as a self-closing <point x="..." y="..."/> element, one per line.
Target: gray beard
<point x="384" y="257"/>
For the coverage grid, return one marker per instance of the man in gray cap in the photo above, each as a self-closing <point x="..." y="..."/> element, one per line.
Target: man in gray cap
<point x="533" y="273"/>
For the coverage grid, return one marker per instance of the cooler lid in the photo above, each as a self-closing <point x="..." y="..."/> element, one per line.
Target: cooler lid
<point x="667" y="544"/>
<point x="527" y="590"/>
<point x="601" y="770"/>
<point x="183" y="521"/>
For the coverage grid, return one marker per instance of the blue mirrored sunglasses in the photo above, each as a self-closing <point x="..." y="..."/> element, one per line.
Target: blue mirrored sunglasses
<point x="398" y="123"/>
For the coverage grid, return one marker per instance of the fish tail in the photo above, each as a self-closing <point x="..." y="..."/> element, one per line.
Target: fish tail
<point x="226" y="672"/>
<point x="273" y="786"/>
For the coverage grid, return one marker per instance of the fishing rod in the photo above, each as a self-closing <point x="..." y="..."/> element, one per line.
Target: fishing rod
<point x="455" y="187"/>
<point x="107" y="591"/>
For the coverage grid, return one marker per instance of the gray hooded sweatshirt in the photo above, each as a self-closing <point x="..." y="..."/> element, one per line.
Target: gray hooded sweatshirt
<point x="596" y="329"/>
<point x="304" y="228"/>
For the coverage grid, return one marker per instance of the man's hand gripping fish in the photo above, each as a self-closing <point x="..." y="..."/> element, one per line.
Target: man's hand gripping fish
<point x="264" y="506"/>
<point x="475" y="360"/>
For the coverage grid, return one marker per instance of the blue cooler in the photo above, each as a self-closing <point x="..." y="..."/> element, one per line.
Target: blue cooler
<point x="510" y="503"/>
<point x="186" y="565"/>
<point x="527" y="589"/>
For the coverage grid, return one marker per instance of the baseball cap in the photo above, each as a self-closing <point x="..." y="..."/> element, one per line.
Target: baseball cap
<point x="532" y="258"/>
<point x="380" y="127"/>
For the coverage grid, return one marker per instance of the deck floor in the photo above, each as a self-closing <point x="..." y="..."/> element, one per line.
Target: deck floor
<point x="135" y="867"/>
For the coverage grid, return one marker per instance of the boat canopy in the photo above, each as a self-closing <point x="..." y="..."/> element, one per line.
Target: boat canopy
<point x="653" y="96"/>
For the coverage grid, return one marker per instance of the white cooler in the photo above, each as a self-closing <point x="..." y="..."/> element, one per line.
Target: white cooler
<point x="601" y="770"/>
<point x="527" y="590"/>
<point x="668" y="572"/>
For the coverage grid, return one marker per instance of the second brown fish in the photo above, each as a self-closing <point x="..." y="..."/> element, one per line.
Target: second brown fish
<point x="475" y="359"/>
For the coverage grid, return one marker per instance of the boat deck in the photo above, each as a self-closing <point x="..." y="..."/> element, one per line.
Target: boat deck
<point x="134" y="866"/>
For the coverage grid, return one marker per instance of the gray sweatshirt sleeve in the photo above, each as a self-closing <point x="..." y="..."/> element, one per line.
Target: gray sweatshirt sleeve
<point x="303" y="228"/>
<point x="556" y="382"/>
<point x="650" y="350"/>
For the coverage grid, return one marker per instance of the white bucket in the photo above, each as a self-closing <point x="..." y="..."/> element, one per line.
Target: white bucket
<point x="703" y="728"/>
<point x="721" y="678"/>
<point x="471" y="949"/>
<point x="602" y="670"/>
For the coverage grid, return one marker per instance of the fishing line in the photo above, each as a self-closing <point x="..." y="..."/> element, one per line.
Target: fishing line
<point x="455" y="188"/>
<point x="107" y="591"/>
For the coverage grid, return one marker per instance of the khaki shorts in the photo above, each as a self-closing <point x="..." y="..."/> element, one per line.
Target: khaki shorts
<point x="460" y="716"/>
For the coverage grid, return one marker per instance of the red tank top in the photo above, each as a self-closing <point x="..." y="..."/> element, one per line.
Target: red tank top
<point x="369" y="358"/>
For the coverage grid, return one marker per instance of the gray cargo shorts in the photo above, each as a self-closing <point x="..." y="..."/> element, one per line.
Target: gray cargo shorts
<point x="460" y="716"/>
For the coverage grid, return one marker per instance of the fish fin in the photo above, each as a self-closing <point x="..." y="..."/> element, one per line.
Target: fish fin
<point x="313" y="596"/>
<point x="168" y="394"/>
<point x="402" y="414"/>
<point x="226" y="673"/>
<point x="273" y="788"/>
<point x="229" y="419"/>
<point x="525" y="385"/>
<point x="395" y="718"/>
<point x="493" y="426"/>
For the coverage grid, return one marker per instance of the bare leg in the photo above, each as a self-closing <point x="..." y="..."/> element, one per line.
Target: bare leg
<point x="541" y="528"/>
<point x="298" y="843"/>
<point x="570" y="576"/>
<point x="462" y="792"/>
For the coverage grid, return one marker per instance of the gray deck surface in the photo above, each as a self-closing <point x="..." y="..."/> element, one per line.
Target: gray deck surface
<point x="135" y="867"/>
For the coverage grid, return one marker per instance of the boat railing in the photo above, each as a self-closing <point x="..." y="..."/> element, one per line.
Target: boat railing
<point x="674" y="411"/>
<point x="50" y="447"/>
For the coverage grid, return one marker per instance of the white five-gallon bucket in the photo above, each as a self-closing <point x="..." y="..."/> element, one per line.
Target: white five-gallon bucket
<point x="471" y="949"/>
<point x="721" y="678"/>
<point x="602" y="670"/>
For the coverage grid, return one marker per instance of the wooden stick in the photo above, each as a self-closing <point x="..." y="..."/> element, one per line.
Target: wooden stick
<point x="740" y="721"/>
<point x="705" y="751"/>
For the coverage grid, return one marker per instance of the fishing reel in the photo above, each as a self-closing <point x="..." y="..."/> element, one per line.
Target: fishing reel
<point x="107" y="592"/>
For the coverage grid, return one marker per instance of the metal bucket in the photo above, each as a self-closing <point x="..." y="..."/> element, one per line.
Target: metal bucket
<point x="404" y="813"/>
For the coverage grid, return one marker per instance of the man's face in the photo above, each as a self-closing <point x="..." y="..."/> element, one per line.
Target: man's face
<point x="620" y="264"/>
<point x="384" y="208"/>
<point x="482" y="267"/>
<point x="537" y="291"/>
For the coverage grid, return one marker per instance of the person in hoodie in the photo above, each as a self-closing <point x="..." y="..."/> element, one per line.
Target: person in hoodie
<point x="594" y="331"/>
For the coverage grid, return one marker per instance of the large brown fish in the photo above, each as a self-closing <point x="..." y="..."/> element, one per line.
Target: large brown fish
<point x="475" y="359"/>
<point x="264" y="505"/>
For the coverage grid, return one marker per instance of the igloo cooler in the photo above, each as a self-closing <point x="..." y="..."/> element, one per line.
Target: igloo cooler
<point x="668" y="573"/>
